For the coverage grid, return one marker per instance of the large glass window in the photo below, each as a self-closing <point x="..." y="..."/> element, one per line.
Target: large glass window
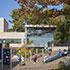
<point x="12" y="40"/>
<point x="40" y="36"/>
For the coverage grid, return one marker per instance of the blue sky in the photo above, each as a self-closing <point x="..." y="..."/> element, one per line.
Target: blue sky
<point x="57" y="7"/>
<point x="6" y="6"/>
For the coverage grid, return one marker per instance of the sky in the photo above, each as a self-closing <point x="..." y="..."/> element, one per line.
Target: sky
<point x="6" y="7"/>
<point x="56" y="7"/>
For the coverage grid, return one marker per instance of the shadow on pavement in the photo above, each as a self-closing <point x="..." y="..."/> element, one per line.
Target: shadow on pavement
<point x="8" y="67"/>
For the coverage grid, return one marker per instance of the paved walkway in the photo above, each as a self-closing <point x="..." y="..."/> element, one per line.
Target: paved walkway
<point x="39" y="66"/>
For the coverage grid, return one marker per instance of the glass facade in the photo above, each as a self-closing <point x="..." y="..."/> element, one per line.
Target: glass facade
<point x="12" y="40"/>
<point x="41" y="40"/>
<point x="40" y="36"/>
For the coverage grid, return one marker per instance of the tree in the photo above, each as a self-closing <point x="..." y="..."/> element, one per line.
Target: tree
<point x="17" y="20"/>
<point x="23" y="51"/>
<point x="62" y="33"/>
<point x="36" y="12"/>
<point x="6" y="45"/>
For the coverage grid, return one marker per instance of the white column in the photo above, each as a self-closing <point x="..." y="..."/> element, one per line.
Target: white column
<point x="22" y="41"/>
<point x="25" y="56"/>
<point x="30" y="55"/>
<point x="36" y="51"/>
<point x="25" y="33"/>
<point x="42" y="51"/>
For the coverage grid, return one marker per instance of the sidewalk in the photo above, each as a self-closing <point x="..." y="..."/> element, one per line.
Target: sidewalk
<point x="39" y="66"/>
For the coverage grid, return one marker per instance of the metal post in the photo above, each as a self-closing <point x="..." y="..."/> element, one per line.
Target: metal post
<point x="11" y="59"/>
<point x="25" y="32"/>
<point x="2" y="55"/>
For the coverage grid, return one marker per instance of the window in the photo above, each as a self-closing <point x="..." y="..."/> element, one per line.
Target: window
<point x="12" y="40"/>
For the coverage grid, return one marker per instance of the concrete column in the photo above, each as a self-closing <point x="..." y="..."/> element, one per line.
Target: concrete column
<point x="26" y="33"/>
<point x="36" y="51"/>
<point x="43" y="51"/>
<point x="68" y="50"/>
<point x="52" y="44"/>
<point x="30" y="55"/>
<point x="25" y="56"/>
<point x="22" y="41"/>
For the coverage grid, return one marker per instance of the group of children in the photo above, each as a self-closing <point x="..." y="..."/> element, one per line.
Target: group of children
<point x="60" y="53"/>
<point x="47" y="58"/>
